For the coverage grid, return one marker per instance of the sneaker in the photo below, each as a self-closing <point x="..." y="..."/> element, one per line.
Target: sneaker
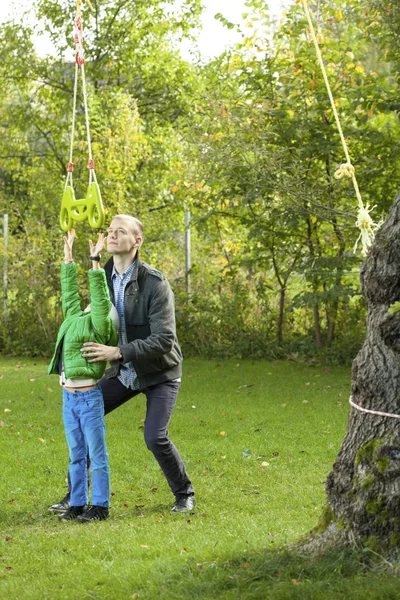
<point x="184" y="504"/>
<point x="61" y="506"/>
<point x="95" y="513"/>
<point x="72" y="513"/>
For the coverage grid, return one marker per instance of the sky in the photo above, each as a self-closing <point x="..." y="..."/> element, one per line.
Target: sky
<point x="212" y="39"/>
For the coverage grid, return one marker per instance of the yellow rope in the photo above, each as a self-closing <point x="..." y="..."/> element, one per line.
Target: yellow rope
<point x="78" y="7"/>
<point x="364" y="221"/>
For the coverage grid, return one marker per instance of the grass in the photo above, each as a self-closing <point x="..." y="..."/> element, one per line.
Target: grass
<point x="258" y="440"/>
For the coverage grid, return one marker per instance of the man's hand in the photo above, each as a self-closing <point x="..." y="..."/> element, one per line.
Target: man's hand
<point x="99" y="352"/>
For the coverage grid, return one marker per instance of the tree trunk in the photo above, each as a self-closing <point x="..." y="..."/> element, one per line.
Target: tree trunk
<point x="317" y="326"/>
<point x="331" y="316"/>
<point x="364" y="485"/>
<point x="282" y="294"/>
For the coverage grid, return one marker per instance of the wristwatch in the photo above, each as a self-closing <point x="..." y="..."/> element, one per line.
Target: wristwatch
<point x="97" y="258"/>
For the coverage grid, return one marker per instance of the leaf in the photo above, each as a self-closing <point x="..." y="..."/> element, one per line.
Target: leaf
<point x="7" y="410"/>
<point x="42" y="440"/>
<point x="222" y="433"/>
<point x="2" y="424"/>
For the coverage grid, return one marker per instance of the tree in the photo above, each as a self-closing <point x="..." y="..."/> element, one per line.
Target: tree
<point x="363" y="488"/>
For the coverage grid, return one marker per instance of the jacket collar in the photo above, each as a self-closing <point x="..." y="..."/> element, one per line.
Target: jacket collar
<point x="108" y="267"/>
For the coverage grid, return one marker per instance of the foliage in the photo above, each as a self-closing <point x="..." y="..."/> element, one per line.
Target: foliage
<point x="247" y="143"/>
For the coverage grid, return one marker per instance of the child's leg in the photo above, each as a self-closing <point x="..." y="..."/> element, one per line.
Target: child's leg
<point x="72" y="406"/>
<point x="92" y="423"/>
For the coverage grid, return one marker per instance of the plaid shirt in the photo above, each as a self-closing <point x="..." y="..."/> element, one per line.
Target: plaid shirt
<point x="127" y="374"/>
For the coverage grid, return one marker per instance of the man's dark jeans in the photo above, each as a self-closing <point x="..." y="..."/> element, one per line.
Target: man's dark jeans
<point x="161" y="400"/>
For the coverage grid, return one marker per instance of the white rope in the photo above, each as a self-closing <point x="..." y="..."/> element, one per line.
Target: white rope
<point x="372" y="412"/>
<point x="80" y="62"/>
<point x="71" y="144"/>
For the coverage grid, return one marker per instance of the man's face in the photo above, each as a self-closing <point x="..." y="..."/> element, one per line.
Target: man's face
<point x="121" y="237"/>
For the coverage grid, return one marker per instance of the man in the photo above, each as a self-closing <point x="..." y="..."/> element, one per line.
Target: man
<point x="148" y="358"/>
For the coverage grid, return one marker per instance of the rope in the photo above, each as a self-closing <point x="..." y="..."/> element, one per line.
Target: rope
<point x="372" y="412"/>
<point x="90" y="207"/>
<point x="364" y="221"/>
<point x="71" y="146"/>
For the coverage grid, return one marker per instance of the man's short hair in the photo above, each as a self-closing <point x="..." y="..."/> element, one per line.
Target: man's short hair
<point x="136" y="225"/>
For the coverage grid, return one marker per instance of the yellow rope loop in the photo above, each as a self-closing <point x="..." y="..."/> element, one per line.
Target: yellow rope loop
<point x="345" y="170"/>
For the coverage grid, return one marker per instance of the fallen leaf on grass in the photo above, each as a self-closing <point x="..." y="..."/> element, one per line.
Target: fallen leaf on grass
<point x="222" y="433"/>
<point x="145" y="546"/>
<point x="42" y="440"/>
<point x="1" y="376"/>
<point x="31" y="380"/>
<point x="7" y="410"/>
<point x="245" y="565"/>
<point x="8" y="538"/>
<point x="2" y="424"/>
<point x="296" y="582"/>
<point x="265" y="464"/>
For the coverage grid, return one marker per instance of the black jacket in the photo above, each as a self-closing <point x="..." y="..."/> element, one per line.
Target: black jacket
<point x="152" y="346"/>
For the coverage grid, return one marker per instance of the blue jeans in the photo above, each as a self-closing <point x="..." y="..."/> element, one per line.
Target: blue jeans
<point x="83" y="415"/>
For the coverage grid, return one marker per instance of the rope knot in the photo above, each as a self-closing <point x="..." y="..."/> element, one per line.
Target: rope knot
<point x="367" y="228"/>
<point x="345" y="170"/>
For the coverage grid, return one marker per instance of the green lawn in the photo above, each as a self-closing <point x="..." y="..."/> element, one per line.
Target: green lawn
<point x="258" y="440"/>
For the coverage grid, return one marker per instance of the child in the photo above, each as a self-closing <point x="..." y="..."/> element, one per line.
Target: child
<point x="83" y="408"/>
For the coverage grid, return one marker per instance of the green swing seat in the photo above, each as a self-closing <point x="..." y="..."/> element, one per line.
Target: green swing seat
<point x="90" y="208"/>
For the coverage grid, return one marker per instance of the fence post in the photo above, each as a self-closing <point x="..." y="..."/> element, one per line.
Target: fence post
<point x="5" y="269"/>
<point x="188" y="260"/>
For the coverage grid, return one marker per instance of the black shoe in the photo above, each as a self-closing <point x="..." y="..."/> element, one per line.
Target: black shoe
<point x="72" y="513"/>
<point x="96" y="513"/>
<point x="61" y="506"/>
<point x="184" y="504"/>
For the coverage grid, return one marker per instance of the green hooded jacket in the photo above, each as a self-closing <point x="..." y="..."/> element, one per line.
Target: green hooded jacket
<point x="79" y="326"/>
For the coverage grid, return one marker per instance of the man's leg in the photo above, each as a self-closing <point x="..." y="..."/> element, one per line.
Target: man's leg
<point x="115" y="393"/>
<point x="161" y="399"/>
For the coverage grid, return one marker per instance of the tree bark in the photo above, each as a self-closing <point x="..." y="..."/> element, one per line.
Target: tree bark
<point x="364" y="486"/>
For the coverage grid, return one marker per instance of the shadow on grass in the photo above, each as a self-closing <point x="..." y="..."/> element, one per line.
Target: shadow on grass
<point x="278" y="575"/>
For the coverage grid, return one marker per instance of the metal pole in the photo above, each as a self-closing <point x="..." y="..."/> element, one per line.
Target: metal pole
<point x="5" y="269"/>
<point x="188" y="260"/>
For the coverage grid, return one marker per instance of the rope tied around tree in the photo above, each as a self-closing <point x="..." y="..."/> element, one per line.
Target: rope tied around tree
<point x="372" y="412"/>
<point x="364" y="220"/>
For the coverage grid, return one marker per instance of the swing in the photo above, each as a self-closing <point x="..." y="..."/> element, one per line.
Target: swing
<point x="90" y="207"/>
<point x="364" y="221"/>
